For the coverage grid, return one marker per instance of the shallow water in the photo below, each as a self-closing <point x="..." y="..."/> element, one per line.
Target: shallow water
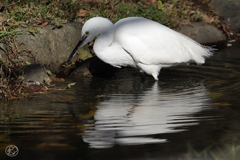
<point x="191" y="108"/>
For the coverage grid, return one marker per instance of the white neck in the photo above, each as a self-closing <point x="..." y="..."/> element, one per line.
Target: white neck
<point x="110" y="51"/>
<point x="104" y="41"/>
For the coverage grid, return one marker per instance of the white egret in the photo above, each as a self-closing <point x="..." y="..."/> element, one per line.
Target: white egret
<point x="141" y="43"/>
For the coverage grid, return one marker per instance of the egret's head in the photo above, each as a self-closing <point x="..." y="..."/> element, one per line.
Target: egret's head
<point x="91" y="29"/>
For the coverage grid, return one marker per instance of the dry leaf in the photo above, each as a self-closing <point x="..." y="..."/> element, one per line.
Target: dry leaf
<point x="37" y="88"/>
<point x="44" y="23"/>
<point x="2" y="6"/>
<point x="206" y="18"/>
<point x="222" y="104"/>
<point x="70" y="85"/>
<point x="82" y="13"/>
<point x="54" y="79"/>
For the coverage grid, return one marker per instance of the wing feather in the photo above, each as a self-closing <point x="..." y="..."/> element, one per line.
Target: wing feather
<point x="149" y="42"/>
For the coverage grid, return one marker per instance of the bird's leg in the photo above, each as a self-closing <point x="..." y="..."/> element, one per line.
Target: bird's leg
<point x="143" y="76"/>
<point x="155" y="76"/>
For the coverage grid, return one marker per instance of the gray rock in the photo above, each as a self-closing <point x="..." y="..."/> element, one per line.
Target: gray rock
<point x="203" y="33"/>
<point x="49" y="46"/>
<point x="35" y="73"/>
<point x="229" y="10"/>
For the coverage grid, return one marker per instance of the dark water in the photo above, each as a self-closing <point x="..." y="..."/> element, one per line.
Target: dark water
<point x="192" y="112"/>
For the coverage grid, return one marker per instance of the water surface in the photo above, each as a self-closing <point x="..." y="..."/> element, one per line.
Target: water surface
<point x="120" y="117"/>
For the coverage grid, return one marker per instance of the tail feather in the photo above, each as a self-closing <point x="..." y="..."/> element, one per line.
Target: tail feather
<point x="196" y="51"/>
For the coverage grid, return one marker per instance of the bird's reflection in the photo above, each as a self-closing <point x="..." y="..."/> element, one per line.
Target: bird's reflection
<point x="134" y="119"/>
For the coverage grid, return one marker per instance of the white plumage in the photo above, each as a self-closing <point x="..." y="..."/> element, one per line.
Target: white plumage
<point x="142" y="43"/>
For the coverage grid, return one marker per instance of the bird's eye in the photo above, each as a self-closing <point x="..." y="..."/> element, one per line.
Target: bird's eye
<point x="87" y="33"/>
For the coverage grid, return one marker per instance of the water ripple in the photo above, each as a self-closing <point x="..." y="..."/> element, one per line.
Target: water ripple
<point x="131" y="119"/>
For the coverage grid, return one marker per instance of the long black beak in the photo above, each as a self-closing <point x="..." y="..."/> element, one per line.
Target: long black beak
<point x="80" y="43"/>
